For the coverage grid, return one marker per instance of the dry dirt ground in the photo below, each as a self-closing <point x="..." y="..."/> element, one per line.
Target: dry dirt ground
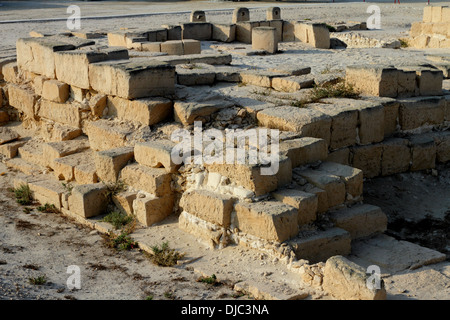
<point x="34" y="244"/>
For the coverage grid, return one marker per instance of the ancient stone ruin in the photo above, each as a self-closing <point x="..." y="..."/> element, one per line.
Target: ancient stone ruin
<point x="434" y="30"/>
<point x="93" y="105"/>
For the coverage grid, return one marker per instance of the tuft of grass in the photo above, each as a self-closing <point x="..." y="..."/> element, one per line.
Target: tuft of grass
<point x="169" y="295"/>
<point x="115" y="188"/>
<point x="165" y="256"/>
<point x="338" y="90"/>
<point x="68" y="187"/>
<point x="117" y="219"/>
<point x="23" y="195"/>
<point x="39" y="281"/>
<point x="48" y="208"/>
<point x="212" y="280"/>
<point x="150" y="297"/>
<point x="403" y="43"/>
<point x="121" y="242"/>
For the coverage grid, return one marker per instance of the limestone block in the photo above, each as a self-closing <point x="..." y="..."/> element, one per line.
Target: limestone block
<point x="109" y="163"/>
<point x="265" y="38"/>
<point x="430" y="82"/>
<point x="9" y="150"/>
<point x="278" y="25"/>
<point x="157" y="35"/>
<point x="187" y="76"/>
<point x="334" y="187"/>
<point x="85" y="173"/>
<point x="104" y="135"/>
<point x="55" y="150"/>
<point x="198" y="16"/>
<point x="7" y="135"/>
<point x="10" y="72"/>
<point x="148" y="111"/>
<point x="244" y="31"/>
<point x="188" y="112"/>
<point x="406" y="84"/>
<point x="305" y="202"/>
<point x="78" y="94"/>
<point x="260" y="78"/>
<point x="442" y="141"/>
<point x="390" y="117"/>
<point x="151" y="209"/>
<point x="352" y="177"/>
<point x="436" y="14"/>
<point x="64" y="168"/>
<point x="416" y="29"/>
<point x="209" y="206"/>
<point x="417" y="112"/>
<point x="240" y="14"/>
<point x="223" y="32"/>
<point x="173" y="31"/>
<point x="360" y="221"/>
<point x="22" y="99"/>
<point x="55" y="91"/>
<point x="269" y="220"/>
<point x="315" y="34"/>
<point x="273" y="13"/>
<point x="346" y="280"/>
<point x="152" y="180"/>
<point x="288" y="31"/>
<point x="98" y="104"/>
<point x="156" y="154"/>
<point x="423" y="149"/>
<point x="293" y="83"/>
<point x="284" y="173"/>
<point x="427" y="15"/>
<point x="151" y="46"/>
<point x="341" y="156"/>
<point x="322" y="245"/>
<point x="63" y="113"/>
<point x="172" y="47"/>
<point x="131" y="80"/>
<point x="307" y="122"/>
<point x="196" y="30"/>
<point x="191" y="46"/>
<point x="124" y="201"/>
<point x="368" y="159"/>
<point x="47" y="191"/>
<point x="373" y="80"/>
<point x="305" y="150"/>
<point x="88" y="200"/>
<point x="396" y="156"/>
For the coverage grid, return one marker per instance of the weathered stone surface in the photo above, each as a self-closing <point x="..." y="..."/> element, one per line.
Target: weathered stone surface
<point x="98" y="104"/>
<point x="151" y="209"/>
<point x="240" y="14"/>
<point x="191" y="46"/>
<point x="209" y="206"/>
<point x="56" y="91"/>
<point x="188" y="76"/>
<point x="152" y="180"/>
<point x="132" y="79"/>
<point x="322" y="244"/>
<point x="7" y="135"/>
<point x="260" y="78"/>
<point x="64" y="168"/>
<point x="374" y="80"/>
<point x="63" y="113"/>
<point x="22" y="99"/>
<point x="265" y="38"/>
<point x="269" y="220"/>
<point x="197" y="31"/>
<point x="396" y="156"/>
<point x="54" y="150"/>
<point x="341" y="156"/>
<point x="88" y="200"/>
<point x="104" y="135"/>
<point x="108" y="163"/>
<point x="59" y="132"/>
<point x="352" y="177"/>
<point x="173" y="31"/>
<point x="244" y="30"/>
<point x="48" y="191"/>
<point x="417" y="112"/>
<point x="124" y="201"/>
<point x="9" y="150"/>
<point x="10" y="73"/>
<point x="442" y="141"/>
<point x="172" y="47"/>
<point x="305" y="150"/>
<point x="72" y="67"/>
<point x="155" y="154"/>
<point x="188" y="112"/>
<point x="423" y="152"/>
<point x="315" y="34"/>
<point x="305" y="202"/>
<point x="293" y="83"/>
<point x="346" y="280"/>
<point x="360" y="220"/>
<point x="368" y="159"/>
<point x="307" y="122"/>
<point x="223" y="32"/>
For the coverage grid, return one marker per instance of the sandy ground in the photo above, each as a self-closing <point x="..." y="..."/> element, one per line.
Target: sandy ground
<point x="37" y="244"/>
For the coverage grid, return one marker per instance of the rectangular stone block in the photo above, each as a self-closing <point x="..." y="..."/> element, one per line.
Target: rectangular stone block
<point x="322" y="245"/>
<point x="223" y="32"/>
<point x="417" y="112"/>
<point x="148" y="111"/>
<point x="9" y="150"/>
<point x="423" y="152"/>
<point x="352" y="177"/>
<point x="56" y="91"/>
<point x="22" y="99"/>
<point x="278" y="25"/>
<point x="427" y="14"/>
<point x="396" y="156"/>
<point x="152" y="180"/>
<point x="391" y="117"/>
<point x="360" y="220"/>
<point x="132" y="80"/>
<point x="436" y="14"/>
<point x="191" y="46"/>
<point x="48" y="191"/>
<point x="373" y="80"/>
<point x="54" y="150"/>
<point x="269" y="220"/>
<point x="244" y="31"/>
<point x="197" y="30"/>
<point x="416" y="29"/>
<point x="88" y="200"/>
<point x="288" y="31"/>
<point x="292" y="84"/>
<point x="315" y="34"/>
<point x="334" y="187"/>
<point x="341" y="156"/>
<point x="151" y="209"/>
<point x="109" y="163"/>
<point x="305" y="202"/>
<point x="104" y="135"/>
<point x="64" y="168"/>
<point x="173" y="31"/>
<point x="10" y="73"/>
<point x="157" y="35"/>
<point x="368" y="159"/>
<point x="212" y="207"/>
<point x="156" y="154"/>
<point x="64" y="113"/>
<point x="72" y="67"/>
<point x="172" y="47"/>
<point x="305" y="150"/>
<point x="430" y="82"/>
<point x="442" y="141"/>
<point x="124" y="201"/>
<point x="151" y="46"/>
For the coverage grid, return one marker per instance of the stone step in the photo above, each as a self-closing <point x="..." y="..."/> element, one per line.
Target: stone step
<point x="59" y="149"/>
<point x="352" y="177"/>
<point x="305" y="202"/>
<point x="362" y="220"/>
<point x="305" y="150"/>
<point x="78" y="166"/>
<point x="32" y="152"/>
<point x="25" y="166"/>
<point x="10" y="150"/>
<point x="321" y="245"/>
<point x="268" y="220"/>
<point x="155" y="181"/>
<point x="150" y="209"/>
